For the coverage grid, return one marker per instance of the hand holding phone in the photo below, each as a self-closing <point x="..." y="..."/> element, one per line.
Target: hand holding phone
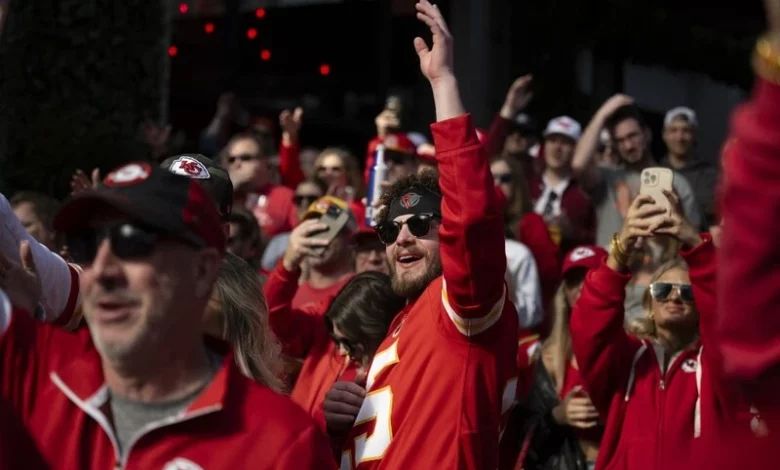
<point x="654" y="181"/>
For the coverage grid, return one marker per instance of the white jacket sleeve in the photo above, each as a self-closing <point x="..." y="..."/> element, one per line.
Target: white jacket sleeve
<point x="56" y="275"/>
<point x="523" y="279"/>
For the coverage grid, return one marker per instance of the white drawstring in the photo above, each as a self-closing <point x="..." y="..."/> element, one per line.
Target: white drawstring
<point x="632" y="374"/>
<point x="697" y="409"/>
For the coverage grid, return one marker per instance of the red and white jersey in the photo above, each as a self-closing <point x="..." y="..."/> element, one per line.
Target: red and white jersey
<point x="442" y="381"/>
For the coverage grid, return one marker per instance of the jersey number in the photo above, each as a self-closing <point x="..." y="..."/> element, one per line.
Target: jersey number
<point x="377" y="407"/>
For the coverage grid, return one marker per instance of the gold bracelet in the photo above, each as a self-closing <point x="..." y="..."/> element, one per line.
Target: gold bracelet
<point x="617" y="251"/>
<point x="766" y="60"/>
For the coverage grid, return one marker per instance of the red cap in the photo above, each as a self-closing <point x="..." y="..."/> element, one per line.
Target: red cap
<point x="400" y="143"/>
<point x="585" y="256"/>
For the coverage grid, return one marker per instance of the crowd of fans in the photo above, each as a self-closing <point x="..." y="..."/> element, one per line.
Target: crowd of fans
<point x="516" y="303"/>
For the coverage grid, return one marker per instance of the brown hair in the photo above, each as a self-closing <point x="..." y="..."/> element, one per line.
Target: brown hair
<point x="520" y="202"/>
<point x="351" y="167"/>
<point x="244" y="314"/>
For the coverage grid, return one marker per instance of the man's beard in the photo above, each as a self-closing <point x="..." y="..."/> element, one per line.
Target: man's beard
<point x="412" y="288"/>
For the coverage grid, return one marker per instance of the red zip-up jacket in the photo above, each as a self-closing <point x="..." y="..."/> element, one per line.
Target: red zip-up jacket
<point x="304" y="335"/>
<point x="653" y="420"/>
<point x="53" y="380"/>
<point x="533" y="233"/>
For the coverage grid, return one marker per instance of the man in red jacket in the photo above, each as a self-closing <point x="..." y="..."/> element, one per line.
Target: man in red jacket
<point x="441" y="381"/>
<point x="141" y="387"/>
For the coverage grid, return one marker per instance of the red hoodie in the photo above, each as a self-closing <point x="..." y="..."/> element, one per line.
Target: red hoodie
<point x="653" y="420"/>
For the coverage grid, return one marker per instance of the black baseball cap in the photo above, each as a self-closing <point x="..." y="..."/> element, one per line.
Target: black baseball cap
<point x="162" y="200"/>
<point x="214" y="179"/>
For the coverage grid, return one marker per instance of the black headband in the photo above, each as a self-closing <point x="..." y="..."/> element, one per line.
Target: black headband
<point x="415" y="200"/>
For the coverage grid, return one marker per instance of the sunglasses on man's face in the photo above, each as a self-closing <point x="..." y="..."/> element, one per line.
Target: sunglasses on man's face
<point x="304" y="199"/>
<point x="128" y="242"/>
<point x="419" y="226"/>
<point x="661" y="291"/>
<point x="244" y="157"/>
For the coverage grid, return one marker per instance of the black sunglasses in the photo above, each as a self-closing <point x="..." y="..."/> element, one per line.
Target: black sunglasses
<point x="128" y="241"/>
<point x="662" y="290"/>
<point x="344" y="343"/>
<point x="244" y="157"/>
<point x="397" y="158"/>
<point x="304" y="199"/>
<point x="419" y="226"/>
<point x="503" y="178"/>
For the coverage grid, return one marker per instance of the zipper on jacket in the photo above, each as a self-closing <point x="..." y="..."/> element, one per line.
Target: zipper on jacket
<point x="662" y="385"/>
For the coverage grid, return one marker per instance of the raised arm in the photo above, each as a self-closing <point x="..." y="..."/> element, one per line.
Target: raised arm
<point x="517" y="98"/>
<point x="471" y="234"/>
<point x="289" y="148"/>
<point x="294" y="327"/>
<point x="59" y="280"/>
<point x="585" y="169"/>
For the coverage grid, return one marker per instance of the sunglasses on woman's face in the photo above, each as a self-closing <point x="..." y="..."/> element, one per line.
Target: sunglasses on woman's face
<point x="244" y="157"/>
<point x="329" y="169"/>
<point x="419" y="226"/>
<point x="344" y="343"/>
<point x="305" y="199"/>
<point x="661" y="291"/>
<point x="502" y="178"/>
<point x="128" y="241"/>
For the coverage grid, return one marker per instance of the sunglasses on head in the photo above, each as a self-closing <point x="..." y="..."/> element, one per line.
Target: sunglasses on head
<point x="419" y="226"/>
<point x="128" y="241"/>
<point x="502" y="178"/>
<point x="662" y="290"/>
<point x="244" y="157"/>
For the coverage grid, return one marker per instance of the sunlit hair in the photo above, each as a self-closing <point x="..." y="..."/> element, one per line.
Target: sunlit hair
<point x="350" y="164"/>
<point x="363" y="311"/>
<point x="244" y="315"/>
<point x="558" y="345"/>
<point x="520" y="202"/>
<point x="644" y="327"/>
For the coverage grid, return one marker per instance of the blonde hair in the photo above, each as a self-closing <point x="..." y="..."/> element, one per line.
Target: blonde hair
<point x="243" y="313"/>
<point x="644" y="327"/>
<point x="351" y="167"/>
<point x="557" y="347"/>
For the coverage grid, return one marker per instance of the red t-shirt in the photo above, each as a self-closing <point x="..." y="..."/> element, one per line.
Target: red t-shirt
<point x="442" y="381"/>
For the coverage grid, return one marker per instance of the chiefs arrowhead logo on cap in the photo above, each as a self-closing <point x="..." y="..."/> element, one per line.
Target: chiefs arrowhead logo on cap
<point x="190" y="167"/>
<point x="129" y="174"/>
<point x="409" y="200"/>
<point x="581" y="253"/>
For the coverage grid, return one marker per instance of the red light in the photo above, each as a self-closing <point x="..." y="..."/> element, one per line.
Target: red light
<point x="260" y="13"/>
<point x="209" y="28"/>
<point x="183" y="8"/>
<point x="173" y="50"/>
<point x="324" y="70"/>
<point x="251" y="33"/>
<point x="265" y="54"/>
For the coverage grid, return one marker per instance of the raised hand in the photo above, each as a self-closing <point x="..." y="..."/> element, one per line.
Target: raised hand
<point x="613" y="104"/>
<point x="290" y="122"/>
<point x="342" y="404"/>
<point x="385" y="122"/>
<point x="21" y="281"/>
<point x="518" y="97"/>
<point x="436" y="63"/>
<point x="301" y="243"/>
<point x="643" y="218"/>
<point x="676" y="225"/>
<point x="80" y="183"/>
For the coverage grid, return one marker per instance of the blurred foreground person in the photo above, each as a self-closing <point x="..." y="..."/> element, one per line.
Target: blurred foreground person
<point x="435" y="391"/>
<point x="119" y="391"/>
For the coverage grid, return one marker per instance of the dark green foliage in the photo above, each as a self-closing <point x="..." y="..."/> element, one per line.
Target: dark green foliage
<point x="76" y="79"/>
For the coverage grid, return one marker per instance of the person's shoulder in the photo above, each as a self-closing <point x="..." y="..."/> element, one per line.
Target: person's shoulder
<point x="266" y="410"/>
<point x="516" y="250"/>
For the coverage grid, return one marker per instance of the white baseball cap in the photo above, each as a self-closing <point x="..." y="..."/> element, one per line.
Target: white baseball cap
<point x="681" y="111"/>
<point x="564" y="125"/>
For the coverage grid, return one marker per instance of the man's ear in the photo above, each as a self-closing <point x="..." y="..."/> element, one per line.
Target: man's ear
<point x="208" y="262"/>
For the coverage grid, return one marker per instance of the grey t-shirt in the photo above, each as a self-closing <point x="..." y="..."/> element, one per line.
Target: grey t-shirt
<point x="614" y="193"/>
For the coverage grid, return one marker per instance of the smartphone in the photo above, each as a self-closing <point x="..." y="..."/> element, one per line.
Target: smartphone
<point x="654" y="181"/>
<point x="335" y="218"/>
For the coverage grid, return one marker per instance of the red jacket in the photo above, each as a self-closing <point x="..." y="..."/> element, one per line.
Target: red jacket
<point x="304" y="335"/>
<point x="54" y="381"/>
<point x="652" y="421"/>
<point x="578" y="207"/>
<point x="273" y="207"/>
<point x="441" y="383"/>
<point x="290" y="165"/>
<point x="748" y="325"/>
